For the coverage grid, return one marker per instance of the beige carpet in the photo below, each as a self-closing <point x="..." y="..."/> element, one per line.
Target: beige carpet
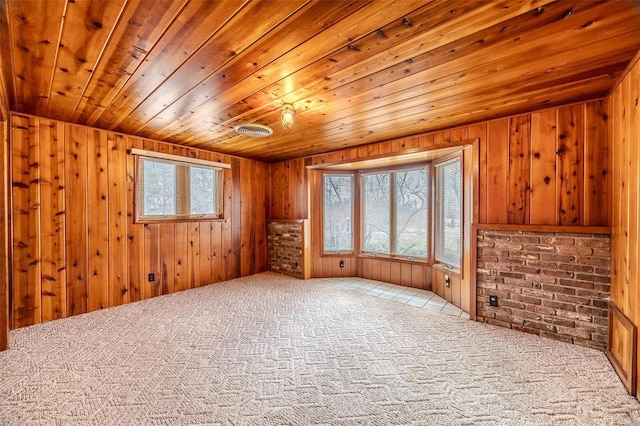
<point x="267" y="350"/>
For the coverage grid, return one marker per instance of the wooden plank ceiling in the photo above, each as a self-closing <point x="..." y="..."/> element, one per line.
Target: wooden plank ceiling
<point x="187" y="71"/>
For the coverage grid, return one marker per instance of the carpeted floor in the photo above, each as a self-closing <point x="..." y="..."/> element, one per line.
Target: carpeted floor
<point x="270" y="350"/>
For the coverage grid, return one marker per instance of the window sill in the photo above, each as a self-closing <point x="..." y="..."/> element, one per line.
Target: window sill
<point x="389" y="257"/>
<point x="449" y="270"/>
<point x="179" y="220"/>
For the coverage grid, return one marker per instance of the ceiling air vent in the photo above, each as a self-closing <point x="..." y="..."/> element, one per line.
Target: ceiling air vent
<point x="253" y="130"/>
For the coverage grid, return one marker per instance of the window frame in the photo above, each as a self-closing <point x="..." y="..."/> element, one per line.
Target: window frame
<point x="456" y="156"/>
<point x="392" y="212"/>
<point x="182" y="178"/>
<point x="355" y="221"/>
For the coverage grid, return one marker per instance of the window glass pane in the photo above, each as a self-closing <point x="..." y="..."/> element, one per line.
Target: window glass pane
<point x="411" y="213"/>
<point x="375" y="218"/>
<point x="202" y="191"/>
<point x="159" y="183"/>
<point x="338" y="194"/>
<point x="449" y="218"/>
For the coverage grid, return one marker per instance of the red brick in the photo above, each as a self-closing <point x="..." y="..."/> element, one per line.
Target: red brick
<point x="560" y="337"/>
<point x="593" y="311"/>
<point x="593" y="278"/>
<point x="541" y="278"/>
<point x="539" y="247"/>
<point x="497" y="237"/>
<point x="575" y="268"/>
<point x="578" y="300"/>
<point x="528" y="330"/>
<point x="492" y="252"/>
<point x="540" y="325"/>
<point x="557" y="257"/>
<point x="541" y="264"/>
<point x="485" y="244"/>
<point x="505" y="324"/>
<point x="591" y="242"/>
<point x="564" y="322"/>
<point x="557" y="241"/>
<point x="510" y="275"/>
<point x="557" y="274"/>
<point x="595" y="261"/>
<point x="574" y="332"/>
<point x="577" y="251"/>
<point x="511" y="304"/>
<point x="559" y="305"/>
<point x="515" y="282"/>
<point x="544" y="310"/>
<point x="573" y="315"/>
<point x="589" y="343"/>
<point x="525" y="269"/>
<point x="525" y="239"/>
<point x="523" y="255"/>
<point x="576" y="284"/>
<point x="526" y="299"/>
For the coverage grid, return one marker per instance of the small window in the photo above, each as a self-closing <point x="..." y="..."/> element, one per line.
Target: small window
<point x="376" y="215"/>
<point x="448" y="249"/>
<point x="338" y="211"/>
<point x="173" y="190"/>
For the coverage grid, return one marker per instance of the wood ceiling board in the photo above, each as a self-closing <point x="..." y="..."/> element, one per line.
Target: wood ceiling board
<point x="332" y="37"/>
<point x="206" y="70"/>
<point x="358" y="72"/>
<point x="350" y="93"/>
<point x="85" y="33"/>
<point x="35" y="36"/>
<point x="140" y="27"/>
<point x="454" y="20"/>
<point x="196" y="23"/>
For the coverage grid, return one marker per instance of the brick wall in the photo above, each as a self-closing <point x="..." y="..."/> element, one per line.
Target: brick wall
<point x="550" y="284"/>
<point x="284" y="247"/>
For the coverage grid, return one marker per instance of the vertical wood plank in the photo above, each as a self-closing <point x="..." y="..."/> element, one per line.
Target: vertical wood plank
<point x="181" y="268"/>
<point x="497" y="155"/>
<point x="206" y="267"/>
<point x="5" y="267"/>
<point x="135" y="231"/>
<point x="234" y="261"/>
<point x="193" y="254"/>
<point x="417" y="276"/>
<point x="543" y="167"/>
<point x="395" y="271"/>
<point x="216" y="252"/>
<point x="479" y="132"/>
<point x="76" y="219"/>
<point x="52" y="220"/>
<point x="596" y="182"/>
<point x="152" y="261"/>
<point x="519" y="169"/>
<point x="26" y="275"/>
<point x="117" y="201"/>
<point x="570" y="164"/>
<point x="97" y="220"/>
<point x="167" y="258"/>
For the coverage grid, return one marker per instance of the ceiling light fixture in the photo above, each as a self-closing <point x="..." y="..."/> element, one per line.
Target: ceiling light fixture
<point x="288" y="116"/>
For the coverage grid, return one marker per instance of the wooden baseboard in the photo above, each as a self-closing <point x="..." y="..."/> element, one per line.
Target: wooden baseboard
<point x="622" y="347"/>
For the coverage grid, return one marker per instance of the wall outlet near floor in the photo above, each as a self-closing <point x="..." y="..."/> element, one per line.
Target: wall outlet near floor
<point x="447" y="281"/>
<point x="493" y="301"/>
<point x="342" y="263"/>
<point x="152" y="277"/>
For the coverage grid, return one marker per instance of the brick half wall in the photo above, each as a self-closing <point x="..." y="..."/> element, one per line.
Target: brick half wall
<point x="548" y="283"/>
<point x="285" y="247"/>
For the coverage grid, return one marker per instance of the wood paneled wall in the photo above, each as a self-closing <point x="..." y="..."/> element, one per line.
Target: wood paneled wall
<point x="548" y="167"/>
<point x="4" y="236"/>
<point x="544" y="168"/>
<point x="76" y="248"/>
<point x="624" y="113"/>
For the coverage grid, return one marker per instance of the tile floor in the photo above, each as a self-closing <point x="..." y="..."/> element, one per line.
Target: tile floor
<point x="411" y="296"/>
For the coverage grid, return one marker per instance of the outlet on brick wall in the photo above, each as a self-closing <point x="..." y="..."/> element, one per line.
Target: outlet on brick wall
<point x="550" y="284"/>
